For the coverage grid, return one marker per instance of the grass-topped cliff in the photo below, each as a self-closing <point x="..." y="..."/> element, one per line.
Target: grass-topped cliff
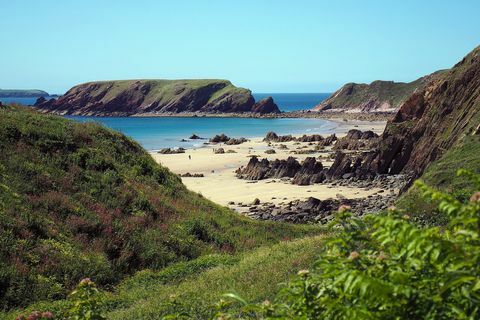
<point x="133" y="97"/>
<point x="378" y="96"/>
<point x="79" y="200"/>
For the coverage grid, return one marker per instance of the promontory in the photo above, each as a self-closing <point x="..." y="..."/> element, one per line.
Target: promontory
<point x="151" y="97"/>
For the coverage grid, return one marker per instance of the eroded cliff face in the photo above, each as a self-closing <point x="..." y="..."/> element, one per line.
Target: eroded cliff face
<point x="133" y="97"/>
<point x="379" y="96"/>
<point x="428" y="123"/>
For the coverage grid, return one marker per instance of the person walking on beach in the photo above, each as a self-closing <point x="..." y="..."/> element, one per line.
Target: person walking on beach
<point x="189" y="157"/>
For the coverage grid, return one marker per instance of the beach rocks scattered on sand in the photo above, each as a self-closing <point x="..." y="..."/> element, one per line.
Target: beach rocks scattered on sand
<point x="314" y="210"/>
<point x="270" y="151"/>
<point x="308" y="172"/>
<point x="192" y="175"/>
<point x="235" y="141"/>
<point x="219" y="138"/>
<point x="222" y="138"/>
<point x="322" y="141"/>
<point x="219" y="151"/>
<point x="273" y="137"/>
<point x="328" y="141"/>
<point x="195" y="137"/>
<point x="171" y="150"/>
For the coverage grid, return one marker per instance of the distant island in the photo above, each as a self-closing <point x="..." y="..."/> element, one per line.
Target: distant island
<point x="151" y="97"/>
<point x="22" y="93"/>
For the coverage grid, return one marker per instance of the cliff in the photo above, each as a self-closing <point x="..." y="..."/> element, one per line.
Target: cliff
<point x="22" y="93"/>
<point x="133" y="97"/>
<point x="429" y="123"/>
<point x="432" y="120"/>
<point x="379" y="96"/>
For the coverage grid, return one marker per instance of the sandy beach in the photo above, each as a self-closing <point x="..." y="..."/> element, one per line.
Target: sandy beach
<point x="220" y="184"/>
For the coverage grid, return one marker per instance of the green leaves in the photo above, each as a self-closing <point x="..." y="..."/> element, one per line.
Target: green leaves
<point x="387" y="267"/>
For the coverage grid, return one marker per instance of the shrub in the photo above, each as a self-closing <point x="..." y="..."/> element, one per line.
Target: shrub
<point x="388" y="267"/>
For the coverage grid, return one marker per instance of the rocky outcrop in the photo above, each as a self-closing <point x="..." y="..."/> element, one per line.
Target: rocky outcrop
<point x="266" y="105"/>
<point x="379" y="96"/>
<point x="222" y="138"/>
<point x="136" y="97"/>
<point x="171" y="151"/>
<point x="308" y="172"/>
<point x="429" y="122"/>
<point x="357" y="140"/>
<point x="273" y="137"/>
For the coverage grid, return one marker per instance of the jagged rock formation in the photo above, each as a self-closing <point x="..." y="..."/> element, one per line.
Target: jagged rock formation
<point x="379" y="96"/>
<point x="357" y="140"/>
<point x="429" y="123"/>
<point x="266" y="105"/>
<point x="309" y="172"/>
<point x="273" y="137"/>
<point x="219" y="138"/>
<point x="132" y="97"/>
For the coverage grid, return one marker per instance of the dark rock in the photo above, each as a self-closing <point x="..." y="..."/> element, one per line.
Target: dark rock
<point x="189" y="175"/>
<point x="219" y="151"/>
<point x="265" y="106"/>
<point x="219" y="138"/>
<point x="270" y="151"/>
<point x="195" y="137"/>
<point x="171" y="151"/>
<point x="234" y="141"/>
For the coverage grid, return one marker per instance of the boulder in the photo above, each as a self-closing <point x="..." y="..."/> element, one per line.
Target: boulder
<point x="266" y="105"/>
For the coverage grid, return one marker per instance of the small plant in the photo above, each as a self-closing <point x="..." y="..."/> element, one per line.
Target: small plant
<point x="86" y="302"/>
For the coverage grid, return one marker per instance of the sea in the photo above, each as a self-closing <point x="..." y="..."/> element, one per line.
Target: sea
<point x="155" y="133"/>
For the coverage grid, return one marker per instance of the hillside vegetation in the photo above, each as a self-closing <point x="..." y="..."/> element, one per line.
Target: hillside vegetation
<point x="80" y="200"/>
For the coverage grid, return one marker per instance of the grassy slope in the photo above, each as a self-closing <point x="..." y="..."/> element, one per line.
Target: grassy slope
<point x="165" y="90"/>
<point x="80" y="200"/>
<point x="441" y="174"/>
<point x="195" y="287"/>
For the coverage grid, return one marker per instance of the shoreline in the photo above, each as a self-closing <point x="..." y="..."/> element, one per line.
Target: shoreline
<point x="218" y="181"/>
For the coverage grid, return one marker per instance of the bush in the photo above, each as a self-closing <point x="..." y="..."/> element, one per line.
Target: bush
<point x="388" y="267"/>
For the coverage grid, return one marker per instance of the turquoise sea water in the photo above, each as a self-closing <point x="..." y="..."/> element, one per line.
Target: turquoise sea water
<point x="155" y="133"/>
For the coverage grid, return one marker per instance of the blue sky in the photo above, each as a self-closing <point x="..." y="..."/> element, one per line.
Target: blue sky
<point x="265" y="45"/>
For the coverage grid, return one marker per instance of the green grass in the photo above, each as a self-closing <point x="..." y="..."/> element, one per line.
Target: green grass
<point x="80" y="200"/>
<point x="441" y="175"/>
<point x="255" y="277"/>
<point x="165" y="91"/>
<point x="196" y="286"/>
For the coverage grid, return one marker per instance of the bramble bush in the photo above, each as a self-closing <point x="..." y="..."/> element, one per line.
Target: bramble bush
<point x="388" y="267"/>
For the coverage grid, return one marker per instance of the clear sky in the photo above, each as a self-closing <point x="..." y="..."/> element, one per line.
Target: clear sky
<point x="265" y="45"/>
